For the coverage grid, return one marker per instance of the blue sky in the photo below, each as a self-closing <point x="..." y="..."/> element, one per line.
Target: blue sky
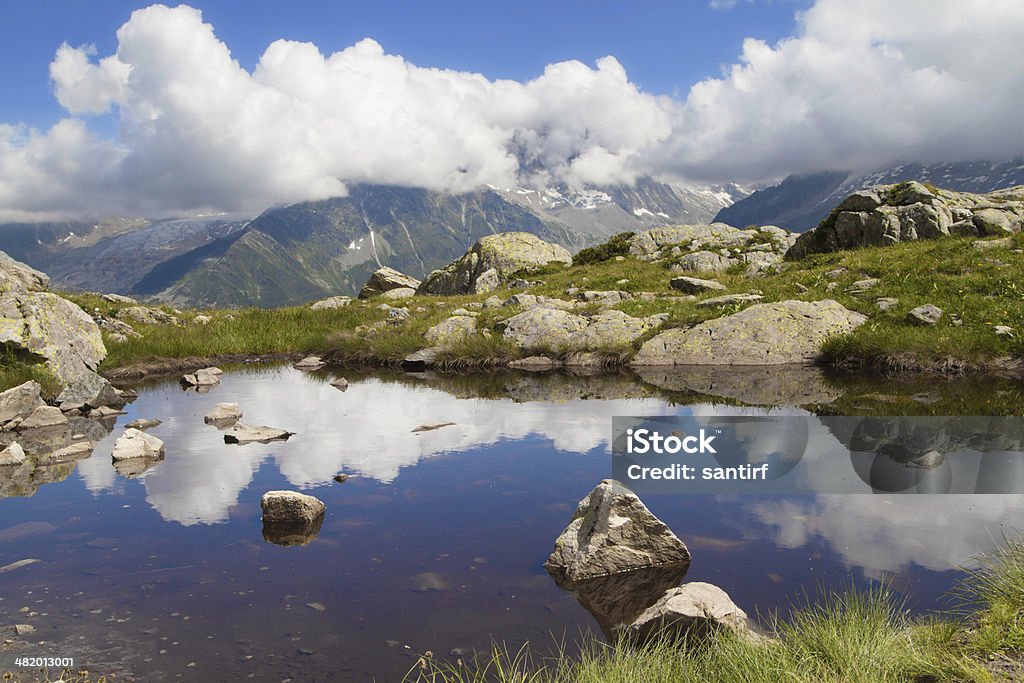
<point x="665" y="45"/>
<point x="231" y="106"/>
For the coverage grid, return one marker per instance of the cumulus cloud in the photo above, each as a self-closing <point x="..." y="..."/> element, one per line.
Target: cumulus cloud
<point x="858" y="86"/>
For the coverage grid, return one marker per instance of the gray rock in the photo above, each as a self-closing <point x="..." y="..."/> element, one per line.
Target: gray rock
<point x="884" y="303"/>
<point x="542" y="328"/>
<point x="43" y="416"/>
<point x="398" y="294"/>
<point x="144" y="423"/>
<point x="331" y="303"/>
<point x="1002" y="330"/>
<point x="504" y="254"/>
<point x="20" y="277"/>
<point x="611" y="330"/>
<point x="202" y="320"/>
<point x="729" y="300"/>
<point x="223" y="415"/>
<point x="105" y="411"/>
<point x="1000" y="243"/>
<point x="693" y="609"/>
<point x="419" y="361"/>
<point x="995" y="222"/>
<point x="451" y="330"/>
<point x="13" y="454"/>
<point x="693" y="285"/>
<point x="533" y="363"/>
<point x="46" y="325"/>
<point x="242" y="433"/>
<point x="290" y="507"/>
<point x="924" y="315"/>
<point x="763" y="334"/>
<point x="19" y="402"/>
<point x="340" y="383"/>
<point x="703" y="261"/>
<point x="88" y="390"/>
<point x="863" y="285"/>
<point x="310" y="363"/>
<point x="135" y="443"/>
<point x="386" y="279"/>
<point x="613" y="531"/>
<point x="75" y="451"/>
<point x="147" y="316"/>
<point x="206" y="377"/>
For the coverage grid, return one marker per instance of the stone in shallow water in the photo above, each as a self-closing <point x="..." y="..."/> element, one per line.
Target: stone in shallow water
<point x="242" y="433"/>
<point x="290" y="517"/>
<point x="135" y="443"/>
<point x="43" y="416"/>
<point x="206" y="377"/>
<point x="20" y="402"/>
<point x="144" y="423"/>
<point x="223" y="415"/>
<point x="693" y="609"/>
<point x="310" y="363"/>
<point x="12" y="455"/>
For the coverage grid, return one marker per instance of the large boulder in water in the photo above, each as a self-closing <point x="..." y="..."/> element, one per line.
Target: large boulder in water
<point x="45" y="325"/>
<point x="763" y="334"/>
<point x="491" y="261"/>
<point x="612" y="531"/>
<point x="386" y="279"/>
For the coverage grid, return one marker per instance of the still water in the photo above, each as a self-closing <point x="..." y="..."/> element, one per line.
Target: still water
<point x="435" y="542"/>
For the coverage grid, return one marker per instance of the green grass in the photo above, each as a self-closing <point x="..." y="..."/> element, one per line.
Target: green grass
<point x="996" y="585"/>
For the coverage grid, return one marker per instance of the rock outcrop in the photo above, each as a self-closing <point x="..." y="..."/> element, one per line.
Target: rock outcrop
<point x="553" y="329"/>
<point x="386" y="279"/>
<point x="16" y="276"/>
<point x="909" y="211"/>
<point x="612" y="531"/>
<point x="491" y="261"/>
<point x="763" y="334"/>
<point x="713" y="248"/>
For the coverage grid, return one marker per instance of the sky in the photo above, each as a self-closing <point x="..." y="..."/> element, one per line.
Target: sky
<point x="137" y="109"/>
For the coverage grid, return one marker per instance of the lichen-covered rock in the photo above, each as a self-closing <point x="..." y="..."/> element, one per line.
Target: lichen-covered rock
<point x="908" y="211"/>
<point x="612" y="329"/>
<point x="147" y="316"/>
<point x="694" y="285"/>
<point x="17" y="276"/>
<point x="88" y="390"/>
<point x="491" y="261"/>
<point x="451" y="330"/>
<point x="45" y="325"/>
<point x="693" y="610"/>
<point x="331" y="303"/>
<point x="703" y="261"/>
<point x="310" y="363"/>
<point x="398" y="294"/>
<point x="542" y="328"/>
<point x="135" y="443"/>
<point x="613" y="531"/>
<point x="385" y="279"/>
<point x="764" y="334"/>
<point x="19" y="402"/>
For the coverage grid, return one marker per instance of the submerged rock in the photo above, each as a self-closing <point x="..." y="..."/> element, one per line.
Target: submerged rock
<point x="242" y="433"/>
<point x="613" y="531"/>
<point x="135" y="443"/>
<point x="764" y="334"/>
<point x="340" y="383"/>
<point x="223" y="415"/>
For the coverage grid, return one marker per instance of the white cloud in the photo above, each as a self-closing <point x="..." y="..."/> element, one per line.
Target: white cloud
<point x="858" y="86"/>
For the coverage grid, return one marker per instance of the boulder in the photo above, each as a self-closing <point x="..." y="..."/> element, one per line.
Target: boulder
<point x="612" y="531"/>
<point x="385" y="279"/>
<point x="13" y="454"/>
<point x="43" y="416"/>
<point x="340" y="383"/>
<point x="310" y="363"/>
<point x="763" y="334"/>
<point x="331" y="303"/>
<point x="613" y="329"/>
<point x="147" y="316"/>
<point x="452" y="330"/>
<point x="223" y="415"/>
<point x="19" y="402"/>
<point x="17" y="276"/>
<point x="884" y="303"/>
<point x="703" y="261"/>
<point x="144" y="423"/>
<point x="398" y="293"/>
<point x="88" y="390"/>
<point x="135" y="443"/>
<point x="729" y="300"/>
<point x="491" y="261"/>
<point x="694" y="285"/>
<point x="542" y="328"/>
<point x="290" y="507"/>
<point x="242" y="433"/>
<point x="54" y="329"/>
<point x="206" y="377"/>
<point x="693" y="610"/>
<point x="927" y="314"/>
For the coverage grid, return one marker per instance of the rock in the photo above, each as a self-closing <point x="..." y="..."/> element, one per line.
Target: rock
<point x="533" y="363"/>
<point x="924" y="315"/>
<point x="911" y="211"/>
<point x="491" y="261"/>
<point x="886" y="302"/>
<point x="43" y="416"/>
<point x="206" y="377"/>
<point x="693" y="285"/>
<point x="613" y="531"/>
<point x="432" y="426"/>
<point x="147" y="316"/>
<point x="223" y="415"/>
<point x="105" y="411"/>
<point x="452" y="330"/>
<point x="398" y="293"/>
<point x="24" y="629"/>
<point x="773" y="385"/>
<point x="202" y="320"/>
<point x="16" y="276"/>
<point x="1003" y="330"/>
<point x="862" y="285"/>
<point x="144" y="423"/>
<point x="703" y="261"/>
<point x="604" y="298"/>
<point x="611" y="330"/>
<point x="120" y="299"/>
<point x="88" y="390"/>
<point x="310" y="363"/>
<point x="53" y="328"/>
<point x="115" y="328"/>
<point x="729" y="300"/>
<point x="542" y="328"/>
<point x="340" y="383"/>
<point x="331" y="303"/>
<point x="75" y="451"/>
<point x="19" y="402"/>
<point x="385" y="279"/>
<point x="341" y="478"/>
<point x="763" y="334"/>
<point x="1001" y="243"/>
<point x="290" y="507"/>
<point x="13" y="454"/>
<point x="242" y="434"/>
<point x="135" y="443"/>
<point x="419" y="361"/>
<point x="693" y="610"/>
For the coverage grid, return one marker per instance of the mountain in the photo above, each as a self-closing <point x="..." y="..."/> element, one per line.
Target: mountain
<point x="800" y="202"/>
<point x="297" y="253"/>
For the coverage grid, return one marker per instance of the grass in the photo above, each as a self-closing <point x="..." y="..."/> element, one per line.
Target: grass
<point x="851" y="636"/>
